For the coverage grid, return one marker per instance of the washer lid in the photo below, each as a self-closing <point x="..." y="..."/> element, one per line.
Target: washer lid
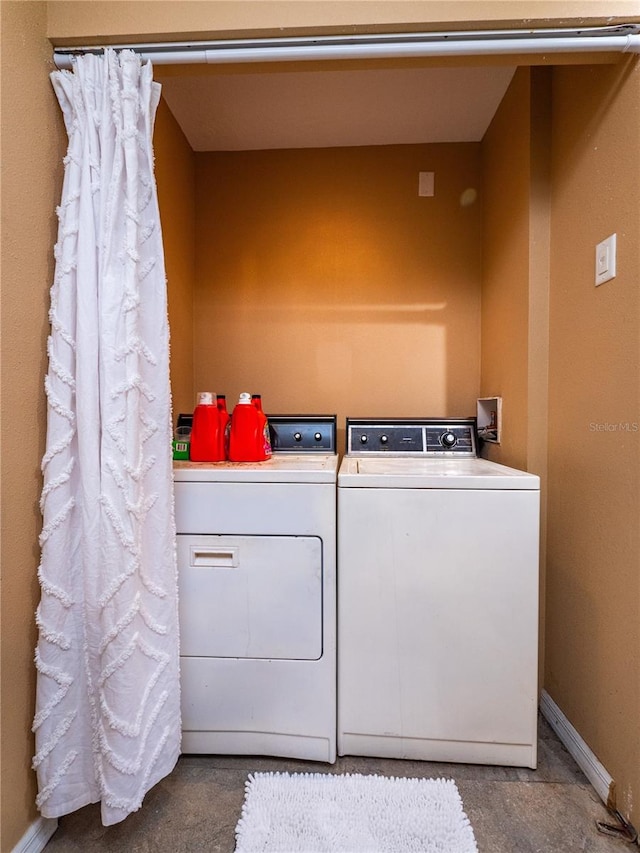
<point x="281" y="468"/>
<point x="387" y="472"/>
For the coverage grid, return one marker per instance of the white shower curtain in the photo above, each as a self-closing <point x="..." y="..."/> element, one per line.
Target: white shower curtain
<point x="107" y="720"/>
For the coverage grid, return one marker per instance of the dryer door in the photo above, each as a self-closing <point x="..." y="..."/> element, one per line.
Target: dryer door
<point x="250" y="596"/>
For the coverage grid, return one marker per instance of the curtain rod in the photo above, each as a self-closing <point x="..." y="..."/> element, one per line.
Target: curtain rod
<point x="623" y="39"/>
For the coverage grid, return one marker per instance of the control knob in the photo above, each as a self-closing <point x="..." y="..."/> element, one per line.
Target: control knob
<point x="384" y="439"/>
<point x="364" y="438"/>
<point x="448" y="439"/>
<point x="318" y="436"/>
<point x="297" y="436"/>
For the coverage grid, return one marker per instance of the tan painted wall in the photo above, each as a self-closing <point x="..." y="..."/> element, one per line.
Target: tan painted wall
<point x="326" y="284"/>
<point x="81" y="21"/>
<point x="593" y="566"/>
<point x="506" y="150"/>
<point x="175" y="178"/>
<point x="33" y="144"/>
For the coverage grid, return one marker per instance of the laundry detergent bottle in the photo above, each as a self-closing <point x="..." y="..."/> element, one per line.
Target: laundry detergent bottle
<point x="256" y="399"/>
<point x="247" y="436"/>
<point x="207" y="442"/>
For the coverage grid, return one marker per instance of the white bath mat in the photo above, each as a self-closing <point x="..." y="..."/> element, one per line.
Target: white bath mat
<point x="327" y="813"/>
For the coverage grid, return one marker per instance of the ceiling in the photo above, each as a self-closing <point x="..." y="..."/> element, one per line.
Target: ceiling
<point x="330" y="108"/>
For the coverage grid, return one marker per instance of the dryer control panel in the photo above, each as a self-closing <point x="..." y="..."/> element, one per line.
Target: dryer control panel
<point x="408" y="437"/>
<point x="303" y="433"/>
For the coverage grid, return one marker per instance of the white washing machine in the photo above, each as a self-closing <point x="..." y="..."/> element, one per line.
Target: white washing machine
<point x="257" y="581"/>
<point x="437" y="597"/>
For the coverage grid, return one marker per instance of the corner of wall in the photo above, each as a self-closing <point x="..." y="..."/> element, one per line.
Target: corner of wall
<point x="175" y="178"/>
<point x="504" y="363"/>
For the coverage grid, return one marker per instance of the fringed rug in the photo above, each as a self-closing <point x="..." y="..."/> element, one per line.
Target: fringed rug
<point x="327" y="813"/>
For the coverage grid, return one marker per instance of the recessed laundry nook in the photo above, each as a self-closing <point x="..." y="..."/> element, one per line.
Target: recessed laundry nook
<point x="339" y="225"/>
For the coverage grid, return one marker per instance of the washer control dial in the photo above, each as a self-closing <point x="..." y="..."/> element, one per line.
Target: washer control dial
<point x="448" y="439"/>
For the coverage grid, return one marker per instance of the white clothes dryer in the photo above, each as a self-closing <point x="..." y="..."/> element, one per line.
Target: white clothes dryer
<point x="437" y="597"/>
<point x="257" y="581"/>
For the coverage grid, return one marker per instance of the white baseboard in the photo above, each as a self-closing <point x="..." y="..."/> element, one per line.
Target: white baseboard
<point x="35" y="838"/>
<point x="585" y="759"/>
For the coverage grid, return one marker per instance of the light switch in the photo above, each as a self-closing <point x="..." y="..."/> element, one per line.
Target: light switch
<point x="426" y="182"/>
<point x="606" y="260"/>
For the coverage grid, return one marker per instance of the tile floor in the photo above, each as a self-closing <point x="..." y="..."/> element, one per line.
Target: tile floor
<point x="549" y="810"/>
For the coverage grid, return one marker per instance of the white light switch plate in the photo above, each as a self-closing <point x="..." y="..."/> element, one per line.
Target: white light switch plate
<point x="426" y="184"/>
<point x="606" y="260"/>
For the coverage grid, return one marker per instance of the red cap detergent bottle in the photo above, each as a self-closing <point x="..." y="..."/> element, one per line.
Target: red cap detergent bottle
<point x="249" y="426"/>
<point x="207" y="440"/>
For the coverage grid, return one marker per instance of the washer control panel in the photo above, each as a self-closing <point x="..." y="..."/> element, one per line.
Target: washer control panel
<point x="408" y="437"/>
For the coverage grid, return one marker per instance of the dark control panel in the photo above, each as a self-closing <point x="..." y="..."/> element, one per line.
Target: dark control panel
<point x="380" y="437"/>
<point x="303" y="433"/>
<point x="428" y="437"/>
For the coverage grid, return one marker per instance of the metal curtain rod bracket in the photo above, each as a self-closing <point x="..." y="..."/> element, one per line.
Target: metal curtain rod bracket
<point x="623" y="38"/>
